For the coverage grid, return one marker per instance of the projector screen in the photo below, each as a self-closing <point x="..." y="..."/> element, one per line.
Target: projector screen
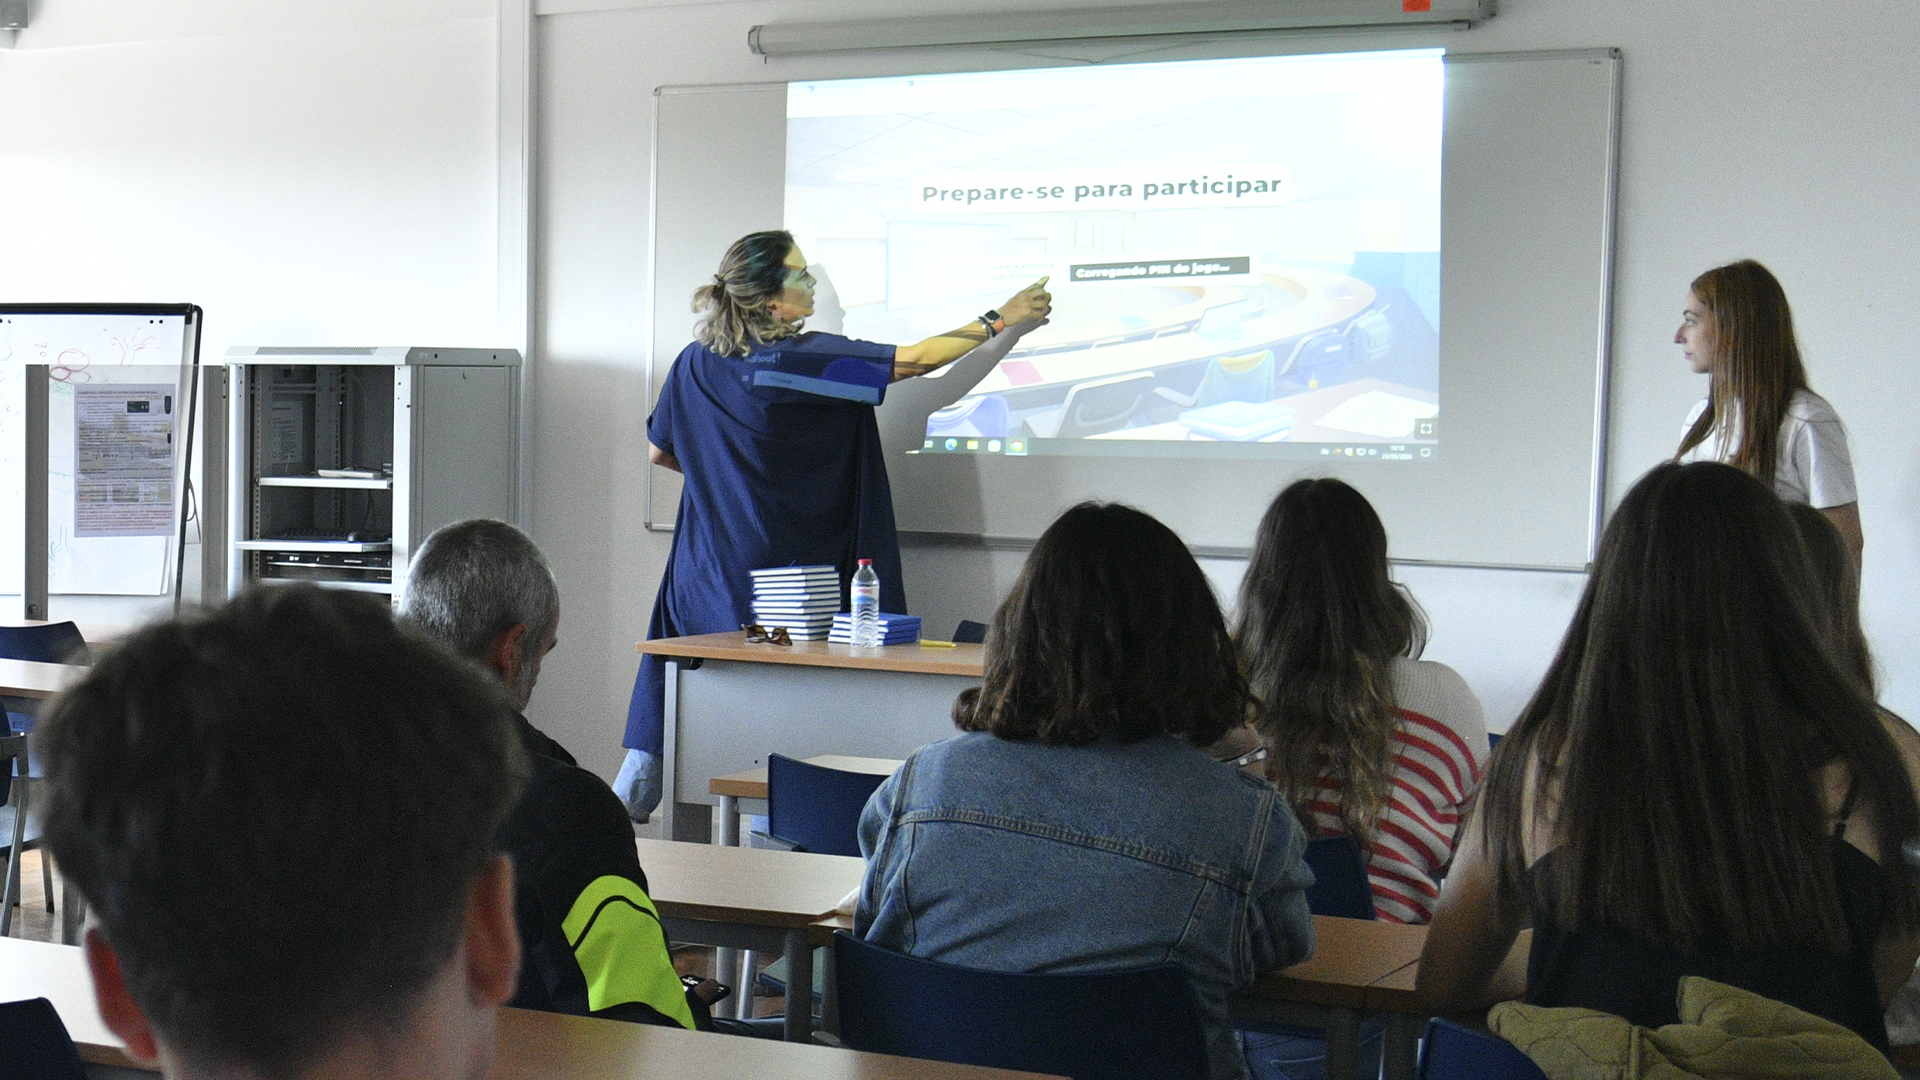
<point x="1244" y="254"/>
<point x="1393" y="268"/>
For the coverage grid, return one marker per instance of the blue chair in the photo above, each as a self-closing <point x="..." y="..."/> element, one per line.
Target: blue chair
<point x="18" y="831"/>
<point x="1451" y="1052"/>
<point x="814" y="808"/>
<point x="970" y="633"/>
<point x="1340" y="887"/>
<point x="46" y="643"/>
<point x="810" y="808"/>
<point x="1493" y="740"/>
<point x="35" y="1045"/>
<point x="1136" y="1024"/>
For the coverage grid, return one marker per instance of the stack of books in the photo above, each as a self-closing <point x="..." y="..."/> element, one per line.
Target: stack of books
<point x="802" y="599"/>
<point x="894" y="629"/>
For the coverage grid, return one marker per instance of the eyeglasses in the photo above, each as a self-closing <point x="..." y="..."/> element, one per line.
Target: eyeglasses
<point x="761" y="635"/>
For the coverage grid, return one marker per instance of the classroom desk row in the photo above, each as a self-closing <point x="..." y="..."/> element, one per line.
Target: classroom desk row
<point x="532" y="1045"/>
<point x="784" y="901"/>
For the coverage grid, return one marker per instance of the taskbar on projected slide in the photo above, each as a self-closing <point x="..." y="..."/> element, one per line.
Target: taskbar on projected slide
<point x="1158" y="448"/>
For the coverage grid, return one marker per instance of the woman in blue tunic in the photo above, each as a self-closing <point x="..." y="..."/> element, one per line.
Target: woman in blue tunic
<point x="774" y="430"/>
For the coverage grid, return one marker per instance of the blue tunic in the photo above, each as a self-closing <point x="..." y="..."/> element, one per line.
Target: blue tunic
<point x="776" y="475"/>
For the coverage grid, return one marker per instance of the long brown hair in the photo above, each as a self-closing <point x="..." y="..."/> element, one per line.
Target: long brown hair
<point x="1836" y="589"/>
<point x="1755" y="367"/>
<point x="1682" y="724"/>
<point x="733" y="306"/>
<point x="1111" y="632"/>
<point x="1320" y="623"/>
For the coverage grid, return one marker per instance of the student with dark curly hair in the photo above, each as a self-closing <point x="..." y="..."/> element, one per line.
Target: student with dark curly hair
<point x="1074" y="826"/>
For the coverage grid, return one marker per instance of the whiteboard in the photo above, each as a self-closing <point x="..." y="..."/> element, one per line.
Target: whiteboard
<point x="1530" y="162"/>
<point x="90" y="350"/>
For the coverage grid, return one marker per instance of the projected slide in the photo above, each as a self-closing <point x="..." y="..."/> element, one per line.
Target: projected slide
<point x="1244" y="254"/>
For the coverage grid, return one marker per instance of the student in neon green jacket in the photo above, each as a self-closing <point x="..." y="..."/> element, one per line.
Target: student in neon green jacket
<point x="591" y="941"/>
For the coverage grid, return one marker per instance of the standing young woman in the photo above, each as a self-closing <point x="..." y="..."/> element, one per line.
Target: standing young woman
<point x="1701" y="786"/>
<point x="776" y="474"/>
<point x="1759" y="414"/>
<point x="1364" y="738"/>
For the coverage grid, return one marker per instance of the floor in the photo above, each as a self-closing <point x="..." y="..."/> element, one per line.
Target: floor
<point x="31" y="919"/>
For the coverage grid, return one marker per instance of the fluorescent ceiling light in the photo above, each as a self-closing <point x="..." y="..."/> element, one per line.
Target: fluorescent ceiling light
<point x="1092" y="24"/>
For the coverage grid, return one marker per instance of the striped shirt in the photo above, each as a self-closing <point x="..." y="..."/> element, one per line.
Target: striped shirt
<point x="1439" y="749"/>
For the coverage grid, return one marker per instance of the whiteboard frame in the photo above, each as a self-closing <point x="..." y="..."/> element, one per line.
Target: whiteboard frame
<point x="657" y="519"/>
<point x="34" y="596"/>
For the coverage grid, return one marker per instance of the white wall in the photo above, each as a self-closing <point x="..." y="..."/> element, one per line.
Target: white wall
<point x="308" y="172"/>
<point x="324" y="172"/>
<point x="1768" y="130"/>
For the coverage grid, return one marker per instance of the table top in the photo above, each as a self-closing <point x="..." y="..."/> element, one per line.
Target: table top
<point x="746" y="886"/>
<point x="1349" y="957"/>
<point x="95" y="633"/>
<point x="533" y="1045"/>
<point x="962" y="661"/>
<point x="1395" y="992"/>
<point x="752" y="783"/>
<point x="33" y="679"/>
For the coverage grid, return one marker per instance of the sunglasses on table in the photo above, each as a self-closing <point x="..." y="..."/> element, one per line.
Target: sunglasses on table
<point x="761" y="635"/>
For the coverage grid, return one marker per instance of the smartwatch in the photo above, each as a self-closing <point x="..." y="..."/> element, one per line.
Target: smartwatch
<point x="994" y="323"/>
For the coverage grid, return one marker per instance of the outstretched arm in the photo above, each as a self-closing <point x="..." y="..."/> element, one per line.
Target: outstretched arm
<point x="1030" y="305"/>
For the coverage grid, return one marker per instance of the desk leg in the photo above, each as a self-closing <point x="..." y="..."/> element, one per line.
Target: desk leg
<point x="729" y="831"/>
<point x="1343" y="1044"/>
<point x="1401" y="1053"/>
<point x="670" y="752"/>
<point x="73" y="910"/>
<point x="830" y="996"/>
<point x="799" y="955"/>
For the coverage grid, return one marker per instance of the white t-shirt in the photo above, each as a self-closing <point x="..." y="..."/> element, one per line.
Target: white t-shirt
<point x="1814" y="467"/>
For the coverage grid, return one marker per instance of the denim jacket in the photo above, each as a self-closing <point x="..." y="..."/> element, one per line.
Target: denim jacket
<point x="1015" y="856"/>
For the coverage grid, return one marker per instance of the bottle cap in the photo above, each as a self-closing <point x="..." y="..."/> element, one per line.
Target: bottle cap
<point x="866" y="562"/>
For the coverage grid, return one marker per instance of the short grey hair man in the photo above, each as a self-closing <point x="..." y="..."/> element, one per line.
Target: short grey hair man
<point x="483" y="588"/>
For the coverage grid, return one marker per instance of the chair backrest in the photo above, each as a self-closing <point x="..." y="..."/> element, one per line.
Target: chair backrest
<point x="48" y="643"/>
<point x="1340" y="887"/>
<point x="1493" y="740"/>
<point x="1451" y="1052"/>
<point x="1118" y="1025"/>
<point x="815" y="808"/>
<point x="13" y="751"/>
<point x="970" y="632"/>
<point x="1098" y="405"/>
<point x="34" y="1044"/>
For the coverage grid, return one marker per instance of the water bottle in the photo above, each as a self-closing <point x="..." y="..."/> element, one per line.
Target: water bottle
<point x="866" y="605"/>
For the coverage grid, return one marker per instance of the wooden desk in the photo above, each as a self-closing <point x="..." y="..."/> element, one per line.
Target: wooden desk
<point x="33" y="679"/>
<point x="751" y="785"/>
<point x="1359" y="966"/>
<point x="729" y="703"/>
<point x="532" y="1045"/>
<point x="745" y="898"/>
<point x="1335" y="987"/>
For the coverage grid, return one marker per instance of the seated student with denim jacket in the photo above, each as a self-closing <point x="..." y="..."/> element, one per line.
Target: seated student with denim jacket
<point x="1073" y="826"/>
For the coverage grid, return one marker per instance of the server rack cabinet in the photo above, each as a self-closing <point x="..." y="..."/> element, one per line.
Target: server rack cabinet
<point x="342" y="460"/>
